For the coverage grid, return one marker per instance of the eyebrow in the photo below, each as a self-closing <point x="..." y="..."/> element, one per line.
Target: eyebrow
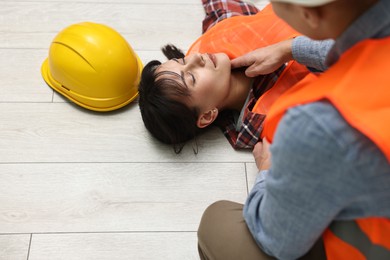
<point x="177" y="60"/>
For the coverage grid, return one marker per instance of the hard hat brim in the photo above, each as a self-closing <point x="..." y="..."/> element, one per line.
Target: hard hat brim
<point x="51" y="82"/>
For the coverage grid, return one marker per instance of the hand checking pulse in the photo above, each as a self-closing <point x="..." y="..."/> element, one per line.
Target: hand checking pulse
<point x="264" y="60"/>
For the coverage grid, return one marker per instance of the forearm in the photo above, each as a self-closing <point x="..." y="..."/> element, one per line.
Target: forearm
<point x="311" y="53"/>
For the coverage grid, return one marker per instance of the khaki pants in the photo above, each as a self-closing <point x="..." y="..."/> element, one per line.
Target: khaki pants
<point x="224" y="235"/>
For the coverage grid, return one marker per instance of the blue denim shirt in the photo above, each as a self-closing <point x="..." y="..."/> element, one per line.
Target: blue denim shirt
<point x="322" y="168"/>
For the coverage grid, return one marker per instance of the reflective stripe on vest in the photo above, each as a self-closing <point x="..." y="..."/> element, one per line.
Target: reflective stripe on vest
<point x="353" y="243"/>
<point x="359" y="90"/>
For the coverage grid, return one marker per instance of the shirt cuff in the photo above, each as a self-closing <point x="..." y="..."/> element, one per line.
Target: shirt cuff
<point x="311" y="53"/>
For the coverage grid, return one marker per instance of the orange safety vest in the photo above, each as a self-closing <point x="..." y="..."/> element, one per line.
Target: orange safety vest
<point x="239" y="35"/>
<point x="358" y="87"/>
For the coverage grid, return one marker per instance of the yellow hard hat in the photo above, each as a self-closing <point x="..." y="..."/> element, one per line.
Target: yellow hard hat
<point x="94" y="66"/>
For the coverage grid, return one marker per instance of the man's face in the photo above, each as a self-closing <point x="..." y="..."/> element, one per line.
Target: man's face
<point x="302" y="19"/>
<point x="207" y="76"/>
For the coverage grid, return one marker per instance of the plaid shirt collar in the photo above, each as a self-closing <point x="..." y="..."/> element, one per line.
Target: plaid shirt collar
<point x="244" y="132"/>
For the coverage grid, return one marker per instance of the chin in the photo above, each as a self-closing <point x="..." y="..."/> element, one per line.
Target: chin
<point x="223" y="60"/>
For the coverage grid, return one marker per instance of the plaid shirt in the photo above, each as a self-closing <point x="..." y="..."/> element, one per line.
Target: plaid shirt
<point x="246" y="132"/>
<point x="219" y="10"/>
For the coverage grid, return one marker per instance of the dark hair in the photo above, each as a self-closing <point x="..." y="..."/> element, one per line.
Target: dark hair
<point x="162" y="104"/>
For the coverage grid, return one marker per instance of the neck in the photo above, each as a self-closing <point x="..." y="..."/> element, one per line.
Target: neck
<point x="240" y="86"/>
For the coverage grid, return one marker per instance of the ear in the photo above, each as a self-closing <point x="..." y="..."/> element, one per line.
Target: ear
<point x="311" y="15"/>
<point x="205" y="119"/>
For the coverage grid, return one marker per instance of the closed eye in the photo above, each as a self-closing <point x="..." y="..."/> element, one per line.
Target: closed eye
<point x="183" y="62"/>
<point x="193" y="78"/>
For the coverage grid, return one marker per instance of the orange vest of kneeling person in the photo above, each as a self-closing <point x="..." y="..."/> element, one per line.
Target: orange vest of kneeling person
<point x="361" y="94"/>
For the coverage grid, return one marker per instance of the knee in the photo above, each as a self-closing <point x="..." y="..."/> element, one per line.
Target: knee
<point x="209" y="231"/>
<point x="216" y="208"/>
<point x="212" y="212"/>
<point x="215" y="217"/>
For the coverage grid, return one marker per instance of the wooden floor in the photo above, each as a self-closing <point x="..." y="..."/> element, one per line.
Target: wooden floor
<point x="76" y="184"/>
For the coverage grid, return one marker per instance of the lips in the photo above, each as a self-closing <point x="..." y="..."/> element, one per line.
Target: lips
<point x="213" y="59"/>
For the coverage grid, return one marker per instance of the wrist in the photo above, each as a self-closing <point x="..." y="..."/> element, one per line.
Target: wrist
<point x="287" y="50"/>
